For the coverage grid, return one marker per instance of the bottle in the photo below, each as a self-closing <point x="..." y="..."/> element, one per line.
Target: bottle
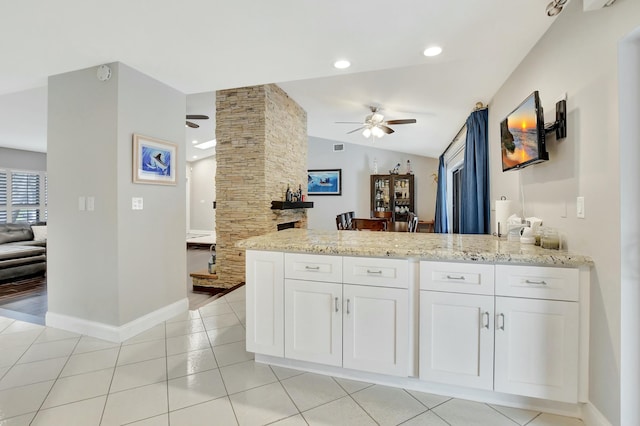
<point x="408" y="167"/>
<point x="288" y="194"/>
<point x="212" y="260"/>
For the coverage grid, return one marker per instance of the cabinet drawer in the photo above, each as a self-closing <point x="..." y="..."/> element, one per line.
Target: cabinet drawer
<point x="376" y="272"/>
<point x="469" y="278"/>
<point x="537" y="282"/>
<point x="313" y="267"/>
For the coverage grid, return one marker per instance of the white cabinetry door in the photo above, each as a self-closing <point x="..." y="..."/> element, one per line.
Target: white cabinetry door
<point x="456" y="339"/>
<point x="376" y="329"/>
<point x="536" y="348"/>
<point x="313" y="321"/>
<point x="265" y="302"/>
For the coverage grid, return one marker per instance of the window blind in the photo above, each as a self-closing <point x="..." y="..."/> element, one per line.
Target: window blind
<point x="3" y="188"/>
<point x="25" y="189"/>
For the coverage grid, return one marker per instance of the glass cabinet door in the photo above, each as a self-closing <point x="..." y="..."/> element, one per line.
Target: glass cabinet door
<point x="402" y="197"/>
<point x="380" y="193"/>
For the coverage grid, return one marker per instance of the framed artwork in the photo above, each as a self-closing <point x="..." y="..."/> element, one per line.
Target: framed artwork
<point x="324" y="182"/>
<point x="154" y="161"/>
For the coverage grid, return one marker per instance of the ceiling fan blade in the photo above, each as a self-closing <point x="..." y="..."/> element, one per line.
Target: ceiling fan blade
<point x="387" y="130"/>
<point x="405" y="121"/>
<point x="355" y="130"/>
<point x="197" y="117"/>
<point x="192" y="125"/>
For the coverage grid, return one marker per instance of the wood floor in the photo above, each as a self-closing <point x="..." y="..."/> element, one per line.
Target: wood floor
<point x="31" y="305"/>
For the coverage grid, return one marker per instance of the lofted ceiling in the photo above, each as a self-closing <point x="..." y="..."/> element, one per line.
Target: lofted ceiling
<point x="199" y="46"/>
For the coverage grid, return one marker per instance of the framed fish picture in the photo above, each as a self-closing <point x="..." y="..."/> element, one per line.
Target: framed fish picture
<point x="154" y="161"/>
<point x="324" y="182"/>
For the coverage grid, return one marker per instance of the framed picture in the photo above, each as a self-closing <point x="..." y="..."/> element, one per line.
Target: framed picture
<point x="154" y="161"/>
<point x="324" y="182"/>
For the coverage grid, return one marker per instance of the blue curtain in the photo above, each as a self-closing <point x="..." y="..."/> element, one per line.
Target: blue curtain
<point x="474" y="214"/>
<point x="440" y="224"/>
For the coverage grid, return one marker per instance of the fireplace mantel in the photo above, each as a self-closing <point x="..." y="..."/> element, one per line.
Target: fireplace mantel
<point x="284" y="205"/>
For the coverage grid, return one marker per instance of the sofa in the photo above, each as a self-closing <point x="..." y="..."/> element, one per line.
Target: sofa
<point x="22" y="253"/>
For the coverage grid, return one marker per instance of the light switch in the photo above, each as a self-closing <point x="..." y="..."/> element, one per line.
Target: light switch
<point x="91" y="201"/>
<point x="136" y="203"/>
<point x="580" y="207"/>
<point x="81" y="204"/>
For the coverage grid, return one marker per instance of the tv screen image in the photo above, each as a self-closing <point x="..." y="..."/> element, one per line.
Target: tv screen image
<point x="523" y="136"/>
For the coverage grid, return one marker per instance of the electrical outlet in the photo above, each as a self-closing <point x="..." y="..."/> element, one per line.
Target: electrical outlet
<point x="91" y="202"/>
<point x="81" y="203"/>
<point x="580" y="207"/>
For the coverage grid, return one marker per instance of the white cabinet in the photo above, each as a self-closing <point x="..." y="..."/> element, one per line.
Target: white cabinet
<point x="313" y="326"/>
<point x="528" y="345"/>
<point x="363" y="327"/>
<point x="265" y="302"/>
<point x="537" y="341"/>
<point x="376" y="329"/>
<point x="456" y="339"/>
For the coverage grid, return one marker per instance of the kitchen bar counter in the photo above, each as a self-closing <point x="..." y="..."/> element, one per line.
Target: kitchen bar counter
<point x="424" y="246"/>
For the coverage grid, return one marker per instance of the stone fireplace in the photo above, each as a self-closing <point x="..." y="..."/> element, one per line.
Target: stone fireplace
<point x="261" y="148"/>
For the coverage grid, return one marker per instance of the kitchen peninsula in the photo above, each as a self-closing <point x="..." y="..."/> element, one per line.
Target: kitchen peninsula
<point x="461" y="315"/>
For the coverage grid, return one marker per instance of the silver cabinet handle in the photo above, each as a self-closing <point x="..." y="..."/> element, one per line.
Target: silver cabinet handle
<point x="348" y="306"/>
<point x="536" y="282"/>
<point x="485" y="315"/>
<point x="336" y="304"/>
<point x="500" y="327"/>
<point x="453" y="277"/>
<point x="374" y="272"/>
<point x="312" y="268"/>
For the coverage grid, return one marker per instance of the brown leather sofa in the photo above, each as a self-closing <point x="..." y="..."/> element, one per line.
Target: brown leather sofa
<point x="20" y="255"/>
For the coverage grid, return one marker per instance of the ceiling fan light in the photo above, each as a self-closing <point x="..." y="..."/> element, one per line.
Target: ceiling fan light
<point x="377" y="132"/>
<point x="366" y="132"/>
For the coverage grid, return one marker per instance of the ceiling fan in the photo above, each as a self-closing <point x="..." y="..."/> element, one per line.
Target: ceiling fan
<point x="375" y="125"/>
<point x="195" y="117"/>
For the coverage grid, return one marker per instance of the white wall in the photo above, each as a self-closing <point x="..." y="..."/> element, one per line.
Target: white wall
<point x="23" y="160"/>
<point x="203" y="193"/>
<point x="578" y="55"/>
<point x="356" y="162"/>
<point x="112" y="265"/>
<point x="629" y="88"/>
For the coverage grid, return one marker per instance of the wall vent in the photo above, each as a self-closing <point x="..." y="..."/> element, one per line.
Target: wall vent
<point x="338" y="147"/>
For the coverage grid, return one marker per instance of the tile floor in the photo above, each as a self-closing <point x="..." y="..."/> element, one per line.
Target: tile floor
<point x="194" y="370"/>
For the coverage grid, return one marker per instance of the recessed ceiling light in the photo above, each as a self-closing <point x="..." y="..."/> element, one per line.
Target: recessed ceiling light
<point x="206" y="145"/>
<point x="433" y="51"/>
<point x="342" y="64"/>
<point x="194" y="141"/>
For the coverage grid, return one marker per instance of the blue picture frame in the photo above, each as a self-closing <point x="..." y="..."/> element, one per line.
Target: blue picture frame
<point x="324" y="182"/>
<point x="154" y="161"/>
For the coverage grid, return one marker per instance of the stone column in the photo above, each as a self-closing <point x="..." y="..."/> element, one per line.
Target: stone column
<point x="261" y="148"/>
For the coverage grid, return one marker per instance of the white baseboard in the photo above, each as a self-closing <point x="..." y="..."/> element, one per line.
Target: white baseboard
<point x="113" y="333"/>
<point x="591" y="416"/>
<point x="203" y="232"/>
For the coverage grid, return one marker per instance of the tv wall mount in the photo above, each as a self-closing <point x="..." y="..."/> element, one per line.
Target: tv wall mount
<point x="560" y="125"/>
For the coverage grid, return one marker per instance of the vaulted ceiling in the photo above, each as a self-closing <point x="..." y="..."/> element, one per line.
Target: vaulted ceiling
<point x="199" y="46"/>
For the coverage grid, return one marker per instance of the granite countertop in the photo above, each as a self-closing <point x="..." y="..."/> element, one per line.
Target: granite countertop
<point x="426" y="246"/>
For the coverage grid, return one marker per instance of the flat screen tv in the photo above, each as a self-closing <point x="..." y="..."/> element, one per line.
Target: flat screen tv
<point x="522" y="135"/>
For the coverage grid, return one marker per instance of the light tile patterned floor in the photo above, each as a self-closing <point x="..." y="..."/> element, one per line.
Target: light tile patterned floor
<point x="194" y="370"/>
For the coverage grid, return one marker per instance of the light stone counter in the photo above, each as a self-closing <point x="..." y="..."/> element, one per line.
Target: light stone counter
<point x="424" y="246"/>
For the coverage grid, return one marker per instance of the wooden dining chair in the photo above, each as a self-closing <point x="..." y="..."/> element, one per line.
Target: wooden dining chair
<point x="412" y="222"/>
<point x="344" y="221"/>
